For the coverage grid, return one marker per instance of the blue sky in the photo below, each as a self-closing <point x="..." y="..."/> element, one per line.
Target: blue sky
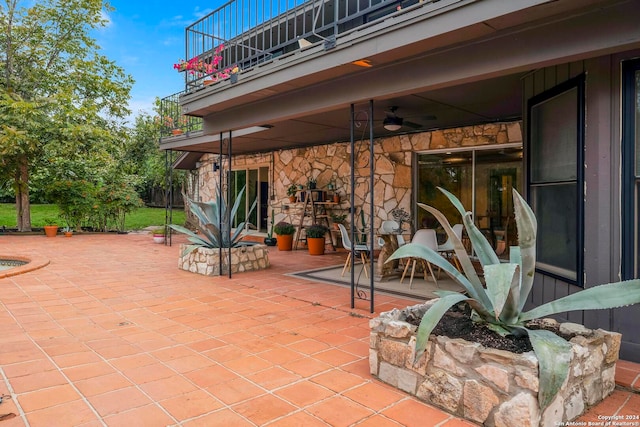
<point x="146" y="39"/>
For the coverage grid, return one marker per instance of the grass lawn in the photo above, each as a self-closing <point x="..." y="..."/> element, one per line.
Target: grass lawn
<point x="136" y="220"/>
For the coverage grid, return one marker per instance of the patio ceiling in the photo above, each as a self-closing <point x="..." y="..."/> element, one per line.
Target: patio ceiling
<point x="492" y="100"/>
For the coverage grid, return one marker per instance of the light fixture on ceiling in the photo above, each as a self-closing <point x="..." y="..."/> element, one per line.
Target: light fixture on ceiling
<point x="392" y="123"/>
<point x="363" y="63"/>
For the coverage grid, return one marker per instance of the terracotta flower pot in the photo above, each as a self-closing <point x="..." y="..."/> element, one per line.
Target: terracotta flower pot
<point x="315" y="245"/>
<point x="176" y="131"/>
<point x="50" y="230"/>
<point x="285" y="242"/>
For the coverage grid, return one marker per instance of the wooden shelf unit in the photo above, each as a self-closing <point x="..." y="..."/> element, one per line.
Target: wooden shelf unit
<point x="312" y="209"/>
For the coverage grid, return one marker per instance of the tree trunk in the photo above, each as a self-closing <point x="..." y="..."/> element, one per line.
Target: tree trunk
<point x="23" y="208"/>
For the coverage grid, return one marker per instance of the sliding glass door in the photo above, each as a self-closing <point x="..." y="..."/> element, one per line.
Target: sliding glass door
<point x="483" y="179"/>
<point x="255" y="181"/>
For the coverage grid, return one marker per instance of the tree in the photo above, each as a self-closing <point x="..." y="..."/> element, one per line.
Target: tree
<point x="55" y="88"/>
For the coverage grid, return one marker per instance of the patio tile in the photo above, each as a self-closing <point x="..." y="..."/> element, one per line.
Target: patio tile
<point x="47" y="397"/>
<point x="375" y="395"/>
<point x="339" y="411"/>
<point x="69" y="414"/>
<point x="148" y="415"/>
<point x="246" y="365"/>
<point x="76" y="359"/>
<point x="411" y="413"/>
<point x="338" y="380"/>
<point x="307" y="366"/>
<point x="147" y="373"/>
<point x="190" y="405"/>
<point x="102" y="384"/>
<point x="89" y="370"/>
<point x="379" y="421"/>
<point x="211" y="376"/>
<point x="170" y="387"/>
<point x="117" y="401"/>
<point x="263" y="409"/>
<point x="299" y="419"/>
<point x="272" y="378"/>
<point x="236" y="390"/>
<point x="37" y="381"/>
<point x="304" y="393"/>
<point x="221" y="418"/>
<point x="336" y="357"/>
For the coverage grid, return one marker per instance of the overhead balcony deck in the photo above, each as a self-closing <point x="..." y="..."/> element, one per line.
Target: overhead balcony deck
<point x="460" y="61"/>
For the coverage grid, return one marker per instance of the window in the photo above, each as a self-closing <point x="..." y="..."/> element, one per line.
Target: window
<point x="555" y="178"/>
<point x="482" y="179"/>
<point x="630" y="169"/>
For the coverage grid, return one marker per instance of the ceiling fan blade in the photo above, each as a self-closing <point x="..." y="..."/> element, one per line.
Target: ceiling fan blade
<point x="411" y="124"/>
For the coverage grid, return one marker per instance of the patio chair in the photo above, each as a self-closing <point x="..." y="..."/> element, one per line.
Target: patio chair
<point x="361" y="250"/>
<point x="390" y="226"/>
<point x="446" y="249"/>
<point x="428" y="238"/>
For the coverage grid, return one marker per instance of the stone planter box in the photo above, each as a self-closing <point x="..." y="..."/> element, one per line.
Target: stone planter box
<point x="489" y="386"/>
<point x="207" y="261"/>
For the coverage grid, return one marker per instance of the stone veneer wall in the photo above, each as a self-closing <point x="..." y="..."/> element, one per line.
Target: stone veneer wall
<point x="489" y="386"/>
<point x="332" y="163"/>
<point x="207" y="261"/>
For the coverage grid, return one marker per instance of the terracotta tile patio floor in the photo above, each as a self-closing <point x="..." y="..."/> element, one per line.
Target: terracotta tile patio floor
<point x="111" y="333"/>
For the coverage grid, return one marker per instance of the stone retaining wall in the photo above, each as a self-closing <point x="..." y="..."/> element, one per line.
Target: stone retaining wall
<point x="207" y="261"/>
<point x="489" y="386"/>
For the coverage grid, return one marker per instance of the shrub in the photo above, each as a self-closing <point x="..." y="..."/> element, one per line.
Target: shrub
<point x="284" y="228"/>
<point x="316" y="231"/>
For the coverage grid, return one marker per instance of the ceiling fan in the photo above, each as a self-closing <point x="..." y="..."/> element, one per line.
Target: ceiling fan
<point x="393" y="122"/>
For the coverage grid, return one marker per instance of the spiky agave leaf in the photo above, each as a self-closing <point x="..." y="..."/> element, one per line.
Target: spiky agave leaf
<point x="611" y="295"/>
<point x="415" y="250"/>
<point x="460" y="251"/>
<point x="499" y="278"/>
<point x="481" y="245"/>
<point x="192" y="237"/>
<point x="554" y="357"/>
<point x="527" y="229"/>
<point x="432" y="317"/>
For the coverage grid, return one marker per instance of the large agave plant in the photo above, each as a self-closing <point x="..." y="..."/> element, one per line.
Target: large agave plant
<point x="500" y="305"/>
<point x="214" y="217"/>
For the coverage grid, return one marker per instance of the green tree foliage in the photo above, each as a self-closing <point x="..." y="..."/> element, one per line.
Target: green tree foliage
<point x="62" y="103"/>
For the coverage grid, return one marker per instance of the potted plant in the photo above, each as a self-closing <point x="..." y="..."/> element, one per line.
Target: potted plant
<point x="158" y="234"/>
<point x="68" y="232"/>
<point x="315" y="239"/>
<point x="285" y="231"/>
<point x="270" y="240"/>
<point x="50" y="227"/>
<point x="291" y="192"/>
<point x="338" y="219"/>
<point x="311" y="184"/>
<point x="579" y="371"/>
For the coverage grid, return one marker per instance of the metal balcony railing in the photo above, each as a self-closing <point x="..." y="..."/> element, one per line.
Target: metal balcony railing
<point x="173" y="121"/>
<point x="244" y="33"/>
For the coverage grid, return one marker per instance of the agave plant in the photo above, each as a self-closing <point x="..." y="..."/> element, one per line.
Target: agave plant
<point x="500" y="305"/>
<point x="214" y="217"/>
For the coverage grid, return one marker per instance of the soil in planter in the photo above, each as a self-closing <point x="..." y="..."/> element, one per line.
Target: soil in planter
<point x="457" y="323"/>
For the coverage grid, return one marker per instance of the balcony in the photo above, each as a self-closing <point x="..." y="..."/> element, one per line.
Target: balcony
<point x="258" y="37"/>
<point x="437" y="64"/>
